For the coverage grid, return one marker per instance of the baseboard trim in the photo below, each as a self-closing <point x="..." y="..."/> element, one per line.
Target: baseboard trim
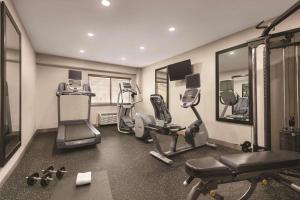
<point x="46" y="130"/>
<point x="225" y="144"/>
<point x="18" y="160"/>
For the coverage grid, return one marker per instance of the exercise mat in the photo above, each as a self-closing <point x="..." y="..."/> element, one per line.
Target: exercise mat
<point x="98" y="189"/>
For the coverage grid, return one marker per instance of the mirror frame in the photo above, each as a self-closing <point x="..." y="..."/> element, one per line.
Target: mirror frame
<point x="218" y="53"/>
<point x="5" y="13"/>
<point x="168" y="81"/>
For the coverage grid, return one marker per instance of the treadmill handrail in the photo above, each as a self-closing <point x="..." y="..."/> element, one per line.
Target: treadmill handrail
<point x="75" y="93"/>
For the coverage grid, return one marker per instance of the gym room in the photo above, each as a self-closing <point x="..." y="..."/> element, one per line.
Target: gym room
<point x="150" y="100"/>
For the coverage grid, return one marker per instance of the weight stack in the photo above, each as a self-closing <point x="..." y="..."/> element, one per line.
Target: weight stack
<point x="290" y="140"/>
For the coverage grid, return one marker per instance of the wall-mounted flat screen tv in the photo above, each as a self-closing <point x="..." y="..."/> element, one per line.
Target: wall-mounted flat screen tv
<point x="75" y="75"/>
<point x="179" y="71"/>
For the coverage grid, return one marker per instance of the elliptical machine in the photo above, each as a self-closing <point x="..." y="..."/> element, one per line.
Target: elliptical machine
<point x="128" y="120"/>
<point x="195" y="134"/>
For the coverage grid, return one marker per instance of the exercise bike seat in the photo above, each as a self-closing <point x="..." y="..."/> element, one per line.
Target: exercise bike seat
<point x="166" y="129"/>
<point x="175" y="127"/>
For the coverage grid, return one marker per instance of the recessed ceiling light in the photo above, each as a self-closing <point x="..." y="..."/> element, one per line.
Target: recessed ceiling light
<point x="123" y="58"/>
<point x="142" y="48"/>
<point x="105" y="3"/>
<point x="231" y="52"/>
<point x="90" y="34"/>
<point x="172" y="29"/>
<point x="82" y="51"/>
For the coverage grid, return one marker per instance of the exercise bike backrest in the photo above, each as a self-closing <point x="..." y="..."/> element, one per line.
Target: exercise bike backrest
<point x="227" y="95"/>
<point x="160" y="109"/>
<point x="229" y="98"/>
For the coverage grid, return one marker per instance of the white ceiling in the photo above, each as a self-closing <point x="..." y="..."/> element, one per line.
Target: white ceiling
<point x="60" y="27"/>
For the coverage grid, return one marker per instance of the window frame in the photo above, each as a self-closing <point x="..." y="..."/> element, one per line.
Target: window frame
<point x="110" y="88"/>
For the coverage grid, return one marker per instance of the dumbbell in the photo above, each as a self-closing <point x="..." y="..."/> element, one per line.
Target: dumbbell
<point x="44" y="180"/>
<point x="59" y="173"/>
<point x="246" y="147"/>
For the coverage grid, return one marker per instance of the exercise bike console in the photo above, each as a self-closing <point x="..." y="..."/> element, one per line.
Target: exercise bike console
<point x="190" y="98"/>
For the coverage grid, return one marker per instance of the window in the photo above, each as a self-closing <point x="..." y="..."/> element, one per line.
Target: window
<point x="106" y="89"/>
<point x="100" y="86"/>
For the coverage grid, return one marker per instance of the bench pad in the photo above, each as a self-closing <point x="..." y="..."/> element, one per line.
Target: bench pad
<point x="258" y="161"/>
<point x="206" y="167"/>
<point x="209" y="167"/>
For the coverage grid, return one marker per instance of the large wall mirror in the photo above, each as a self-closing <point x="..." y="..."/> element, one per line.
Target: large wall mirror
<point x="162" y="83"/>
<point x="232" y="81"/>
<point x="10" y="86"/>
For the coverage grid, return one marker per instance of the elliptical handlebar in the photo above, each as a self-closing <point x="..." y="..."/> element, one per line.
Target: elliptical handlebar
<point x="126" y="87"/>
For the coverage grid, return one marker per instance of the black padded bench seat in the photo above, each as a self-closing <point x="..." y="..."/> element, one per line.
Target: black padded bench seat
<point x="206" y="167"/>
<point x="242" y="163"/>
<point x="259" y="161"/>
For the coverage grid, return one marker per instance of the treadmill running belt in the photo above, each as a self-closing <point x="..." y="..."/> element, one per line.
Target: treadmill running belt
<point x="78" y="132"/>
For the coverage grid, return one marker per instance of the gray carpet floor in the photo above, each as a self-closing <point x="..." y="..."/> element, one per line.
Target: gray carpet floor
<point x="133" y="174"/>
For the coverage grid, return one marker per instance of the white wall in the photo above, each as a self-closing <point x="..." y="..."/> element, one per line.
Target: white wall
<point x="28" y="95"/>
<point x="52" y="70"/>
<point x="203" y="59"/>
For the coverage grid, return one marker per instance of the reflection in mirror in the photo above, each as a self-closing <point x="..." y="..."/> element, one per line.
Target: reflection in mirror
<point x="162" y="83"/>
<point x="233" y="81"/>
<point x="12" y="100"/>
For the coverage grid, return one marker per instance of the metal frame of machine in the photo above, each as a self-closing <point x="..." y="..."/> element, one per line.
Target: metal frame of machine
<point x="264" y="39"/>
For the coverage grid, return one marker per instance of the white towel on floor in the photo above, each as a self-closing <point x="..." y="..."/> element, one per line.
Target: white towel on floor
<point x="84" y="178"/>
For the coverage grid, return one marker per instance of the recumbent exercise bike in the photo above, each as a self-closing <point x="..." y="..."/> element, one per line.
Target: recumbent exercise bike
<point x="195" y="134"/>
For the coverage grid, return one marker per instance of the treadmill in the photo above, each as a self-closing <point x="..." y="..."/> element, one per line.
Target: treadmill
<point x="75" y="133"/>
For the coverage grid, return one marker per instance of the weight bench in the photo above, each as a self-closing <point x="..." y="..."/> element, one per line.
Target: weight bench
<point x="254" y="167"/>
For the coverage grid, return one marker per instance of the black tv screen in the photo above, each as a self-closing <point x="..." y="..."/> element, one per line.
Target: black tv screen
<point x="178" y="71"/>
<point x="75" y="75"/>
<point x="192" y="81"/>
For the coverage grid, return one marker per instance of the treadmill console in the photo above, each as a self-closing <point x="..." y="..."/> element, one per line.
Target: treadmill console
<point x="190" y="97"/>
<point x="75" y="80"/>
<point x="75" y="85"/>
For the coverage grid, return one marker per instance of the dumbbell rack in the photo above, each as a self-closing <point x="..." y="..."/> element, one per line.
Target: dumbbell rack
<point x="46" y="176"/>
